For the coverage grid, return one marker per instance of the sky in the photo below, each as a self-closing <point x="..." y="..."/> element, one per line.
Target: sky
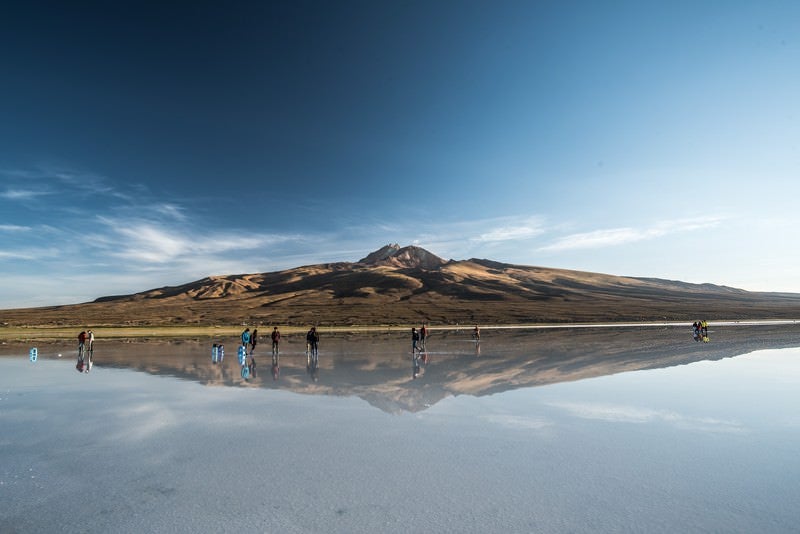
<point x="150" y="144"/>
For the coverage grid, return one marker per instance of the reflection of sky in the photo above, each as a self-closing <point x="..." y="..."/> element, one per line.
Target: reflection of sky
<point x="705" y="446"/>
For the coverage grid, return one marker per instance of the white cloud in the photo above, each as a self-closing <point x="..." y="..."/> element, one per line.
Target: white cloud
<point x="14" y="228"/>
<point x="620" y="236"/>
<point x="456" y="239"/>
<point x="29" y="254"/>
<point x="21" y="194"/>
<point x="516" y="230"/>
<point x="153" y="243"/>
<point x="172" y="211"/>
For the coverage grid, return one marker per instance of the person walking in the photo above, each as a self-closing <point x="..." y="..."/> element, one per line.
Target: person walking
<point x="312" y="341"/>
<point x="423" y="335"/>
<point x="91" y="343"/>
<point x="276" y="339"/>
<point x="414" y="340"/>
<point x="245" y="338"/>
<point x="81" y="344"/>
<point x="253" y="341"/>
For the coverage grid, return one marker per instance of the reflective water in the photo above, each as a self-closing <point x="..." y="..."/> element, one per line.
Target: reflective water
<point x="531" y="431"/>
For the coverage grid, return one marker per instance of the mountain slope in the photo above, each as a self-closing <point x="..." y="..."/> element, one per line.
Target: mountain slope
<point x="395" y="285"/>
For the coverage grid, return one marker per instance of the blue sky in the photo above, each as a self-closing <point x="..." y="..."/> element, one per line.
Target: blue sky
<point x="144" y="145"/>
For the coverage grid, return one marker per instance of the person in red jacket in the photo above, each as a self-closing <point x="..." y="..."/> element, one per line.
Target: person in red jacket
<point x="276" y="338"/>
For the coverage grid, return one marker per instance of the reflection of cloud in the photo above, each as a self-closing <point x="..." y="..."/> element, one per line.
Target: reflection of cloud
<point x="620" y="236"/>
<point x="617" y="413"/>
<point x="518" y="422"/>
<point x="146" y="420"/>
<point x="143" y="421"/>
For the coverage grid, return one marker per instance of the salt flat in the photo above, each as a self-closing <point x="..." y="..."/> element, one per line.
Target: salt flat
<point x="706" y="446"/>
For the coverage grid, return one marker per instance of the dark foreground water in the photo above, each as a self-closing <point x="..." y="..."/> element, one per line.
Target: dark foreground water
<point x="528" y="432"/>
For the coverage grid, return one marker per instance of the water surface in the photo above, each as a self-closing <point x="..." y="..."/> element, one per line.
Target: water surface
<point x="557" y="432"/>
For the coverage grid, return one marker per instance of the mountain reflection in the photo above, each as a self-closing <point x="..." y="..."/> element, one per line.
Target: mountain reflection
<point x="379" y="368"/>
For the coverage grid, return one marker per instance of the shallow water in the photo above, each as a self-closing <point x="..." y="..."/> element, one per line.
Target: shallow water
<point x="535" y="431"/>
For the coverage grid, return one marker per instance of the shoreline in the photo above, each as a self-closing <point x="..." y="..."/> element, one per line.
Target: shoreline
<point x="114" y="332"/>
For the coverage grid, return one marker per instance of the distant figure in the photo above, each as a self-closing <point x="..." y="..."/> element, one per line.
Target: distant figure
<point x="253" y="340"/>
<point x="414" y="340"/>
<point x="91" y="344"/>
<point x="276" y="338"/>
<point x="423" y="335"/>
<point x="312" y="341"/>
<point x="246" y="337"/>
<point x="476" y="333"/>
<point x="81" y="344"/>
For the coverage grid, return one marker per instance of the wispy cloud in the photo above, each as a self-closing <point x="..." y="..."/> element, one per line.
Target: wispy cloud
<point x="87" y="183"/>
<point x="22" y="194"/>
<point x="453" y="239"/>
<point x="14" y="228"/>
<point x="29" y="254"/>
<point x="525" y="228"/>
<point x="172" y="211"/>
<point x="621" y="236"/>
<point x="154" y="243"/>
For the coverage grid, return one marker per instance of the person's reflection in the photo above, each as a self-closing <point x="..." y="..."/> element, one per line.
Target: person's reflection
<point x="418" y="360"/>
<point x="276" y="368"/>
<point x="252" y="366"/>
<point x="312" y="365"/>
<point x="84" y="364"/>
<point x="217" y="353"/>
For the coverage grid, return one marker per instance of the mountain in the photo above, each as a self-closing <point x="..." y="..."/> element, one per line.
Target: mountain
<point x="403" y="258"/>
<point x="408" y="285"/>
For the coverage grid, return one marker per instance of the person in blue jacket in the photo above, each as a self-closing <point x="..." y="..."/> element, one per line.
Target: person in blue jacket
<point x="246" y="337"/>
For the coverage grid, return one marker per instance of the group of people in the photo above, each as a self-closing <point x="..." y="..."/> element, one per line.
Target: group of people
<point x="700" y="331"/>
<point x="250" y="340"/>
<point x="418" y="338"/>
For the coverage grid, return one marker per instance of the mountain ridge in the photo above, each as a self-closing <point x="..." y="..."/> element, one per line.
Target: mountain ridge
<point x="406" y="285"/>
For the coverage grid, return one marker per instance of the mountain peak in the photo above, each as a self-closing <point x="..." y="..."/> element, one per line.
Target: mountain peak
<point x="406" y="257"/>
<point x="381" y="254"/>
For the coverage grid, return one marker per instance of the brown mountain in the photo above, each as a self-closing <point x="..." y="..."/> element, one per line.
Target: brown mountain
<point x="407" y="285"/>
